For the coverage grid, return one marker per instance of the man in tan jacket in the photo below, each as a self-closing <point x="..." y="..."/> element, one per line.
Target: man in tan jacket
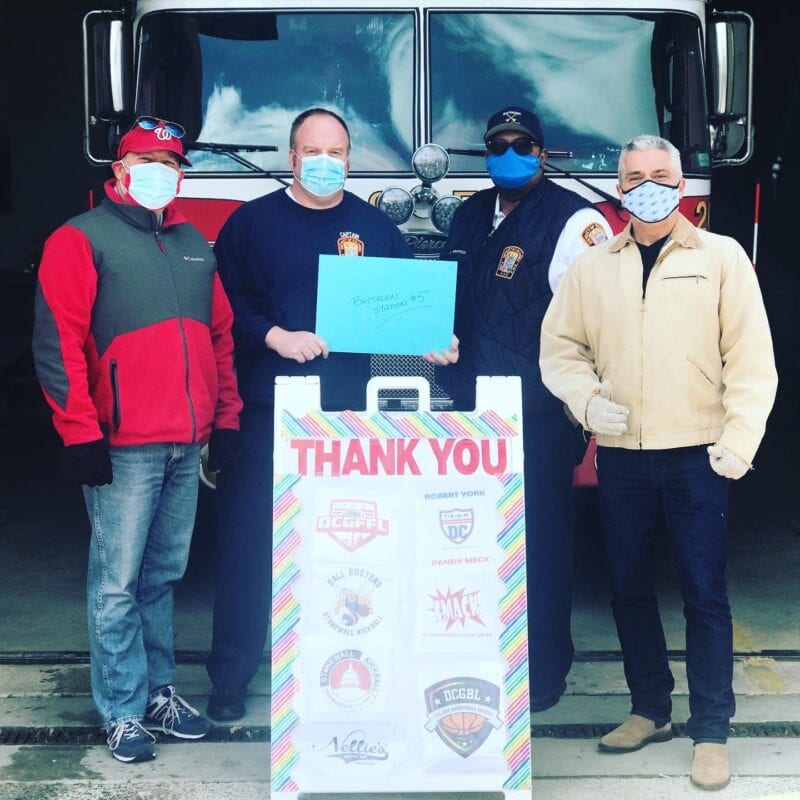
<point x="659" y="343"/>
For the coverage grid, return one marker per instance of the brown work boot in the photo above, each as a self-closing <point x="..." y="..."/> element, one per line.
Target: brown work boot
<point x="634" y="734"/>
<point x="710" y="766"/>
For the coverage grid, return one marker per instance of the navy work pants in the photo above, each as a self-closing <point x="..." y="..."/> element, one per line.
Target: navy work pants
<point x="632" y="485"/>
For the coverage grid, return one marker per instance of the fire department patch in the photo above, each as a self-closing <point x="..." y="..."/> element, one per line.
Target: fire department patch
<point x="509" y="261"/>
<point x="350" y="680"/>
<point x="463" y="712"/>
<point x="456" y="524"/>
<point x="353" y="523"/>
<point x="593" y="234"/>
<point x="350" y="245"/>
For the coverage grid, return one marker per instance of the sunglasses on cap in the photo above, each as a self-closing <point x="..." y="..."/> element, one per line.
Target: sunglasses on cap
<point x="151" y="123"/>
<point x="522" y="147"/>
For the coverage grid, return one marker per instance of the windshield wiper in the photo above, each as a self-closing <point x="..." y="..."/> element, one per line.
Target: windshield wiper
<point x="552" y="168"/>
<point x="233" y="151"/>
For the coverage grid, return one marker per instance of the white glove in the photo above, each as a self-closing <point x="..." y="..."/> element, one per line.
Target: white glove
<point x="603" y="416"/>
<point x="725" y="463"/>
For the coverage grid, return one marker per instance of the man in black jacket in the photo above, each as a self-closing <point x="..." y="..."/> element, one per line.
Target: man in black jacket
<point x="513" y="243"/>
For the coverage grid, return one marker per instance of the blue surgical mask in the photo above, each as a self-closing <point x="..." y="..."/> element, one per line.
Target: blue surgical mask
<point x="152" y="185"/>
<point x="322" y="175"/>
<point x="512" y="171"/>
<point x="651" y="201"/>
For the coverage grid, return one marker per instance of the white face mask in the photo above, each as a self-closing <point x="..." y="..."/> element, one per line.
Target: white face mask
<point x="152" y="185"/>
<point x="651" y="201"/>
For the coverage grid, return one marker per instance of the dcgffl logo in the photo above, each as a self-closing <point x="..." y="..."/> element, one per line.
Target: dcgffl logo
<point x="463" y="712"/>
<point x="350" y="680"/>
<point x="356" y="748"/>
<point x="354" y="611"/>
<point x="353" y="523"/>
<point x="456" y="524"/>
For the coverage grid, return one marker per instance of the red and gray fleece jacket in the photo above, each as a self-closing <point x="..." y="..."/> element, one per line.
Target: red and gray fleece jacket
<point x="132" y="336"/>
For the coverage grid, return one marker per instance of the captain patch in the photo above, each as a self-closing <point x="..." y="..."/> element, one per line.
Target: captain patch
<point x="350" y="245"/>
<point x="593" y="234"/>
<point x="509" y="261"/>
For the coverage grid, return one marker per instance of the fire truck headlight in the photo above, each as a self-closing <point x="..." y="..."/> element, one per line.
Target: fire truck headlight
<point x="442" y="212"/>
<point x="430" y="163"/>
<point x="397" y="204"/>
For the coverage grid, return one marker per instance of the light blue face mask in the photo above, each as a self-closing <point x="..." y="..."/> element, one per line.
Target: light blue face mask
<point x="322" y="175"/>
<point x="153" y="185"/>
<point x="651" y="201"/>
<point x="512" y="171"/>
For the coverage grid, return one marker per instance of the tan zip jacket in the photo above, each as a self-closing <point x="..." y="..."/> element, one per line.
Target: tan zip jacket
<point x="692" y="360"/>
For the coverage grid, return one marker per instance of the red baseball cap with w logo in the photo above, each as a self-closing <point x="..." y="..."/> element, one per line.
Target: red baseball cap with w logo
<point x="149" y="134"/>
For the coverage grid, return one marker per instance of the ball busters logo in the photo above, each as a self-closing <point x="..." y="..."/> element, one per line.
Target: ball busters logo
<point x="463" y="712"/>
<point x="350" y="680"/>
<point x="353" y="523"/>
<point x="353" y="611"/>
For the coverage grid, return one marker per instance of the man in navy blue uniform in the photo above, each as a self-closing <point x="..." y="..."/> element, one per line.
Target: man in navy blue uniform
<point x="268" y="254"/>
<point x="513" y="243"/>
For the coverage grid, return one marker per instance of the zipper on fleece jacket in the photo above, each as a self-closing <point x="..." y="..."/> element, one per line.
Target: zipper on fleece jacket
<point x="184" y="343"/>
<point x="116" y="409"/>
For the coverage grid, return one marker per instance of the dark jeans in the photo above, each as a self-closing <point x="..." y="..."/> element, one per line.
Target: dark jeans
<point x="244" y="555"/>
<point x="632" y="484"/>
<point x="551" y="445"/>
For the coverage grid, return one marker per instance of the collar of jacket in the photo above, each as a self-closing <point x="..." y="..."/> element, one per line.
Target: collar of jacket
<point x="138" y="216"/>
<point x="684" y="233"/>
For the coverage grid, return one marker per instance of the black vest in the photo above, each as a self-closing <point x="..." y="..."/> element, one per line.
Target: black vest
<point x="503" y="289"/>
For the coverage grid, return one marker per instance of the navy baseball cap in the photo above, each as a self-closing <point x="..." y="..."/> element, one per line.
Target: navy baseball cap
<point x="514" y="118"/>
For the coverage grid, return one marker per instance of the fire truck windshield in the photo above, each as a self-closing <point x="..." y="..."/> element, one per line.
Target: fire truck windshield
<point x="594" y="79"/>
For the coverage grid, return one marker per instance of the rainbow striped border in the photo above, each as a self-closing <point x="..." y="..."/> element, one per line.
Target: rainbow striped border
<point x="381" y="425"/>
<point x="513" y="607"/>
<point x="514" y="636"/>
<point x="285" y="615"/>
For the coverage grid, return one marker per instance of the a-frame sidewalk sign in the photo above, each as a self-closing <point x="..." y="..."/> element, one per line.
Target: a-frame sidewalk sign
<point x="399" y="627"/>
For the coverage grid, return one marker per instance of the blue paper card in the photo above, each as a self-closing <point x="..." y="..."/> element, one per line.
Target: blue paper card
<point x="400" y="306"/>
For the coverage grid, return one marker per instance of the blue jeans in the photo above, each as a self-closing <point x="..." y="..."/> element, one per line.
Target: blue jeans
<point x="141" y="530"/>
<point x="632" y="484"/>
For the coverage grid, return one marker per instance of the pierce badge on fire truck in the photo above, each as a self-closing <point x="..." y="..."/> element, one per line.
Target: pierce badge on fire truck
<point x="509" y="261"/>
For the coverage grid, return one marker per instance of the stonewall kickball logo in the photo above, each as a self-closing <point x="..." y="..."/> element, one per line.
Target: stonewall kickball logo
<point x="353" y="523"/>
<point x="352" y="611"/>
<point x="463" y="712"/>
<point x="456" y="524"/>
<point x="350" y="680"/>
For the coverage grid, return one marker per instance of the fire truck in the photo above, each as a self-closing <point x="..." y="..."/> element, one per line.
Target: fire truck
<point x="416" y="80"/>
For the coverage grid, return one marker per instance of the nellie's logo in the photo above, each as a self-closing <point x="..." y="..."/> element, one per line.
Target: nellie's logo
<point x="356" y="747"/>
<point x="456" y="524"/>
<point x="353" y="612"/>
<point x="463" y="712"/>
<point x="353" y="523"/>
<point x="350" y="680"/>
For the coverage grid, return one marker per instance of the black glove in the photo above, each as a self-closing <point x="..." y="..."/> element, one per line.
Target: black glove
<point x="224" y="448"/>
<point x="89" y="463"/>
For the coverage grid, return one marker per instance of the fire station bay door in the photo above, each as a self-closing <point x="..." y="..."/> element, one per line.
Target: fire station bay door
<point x="399" y="624"/>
